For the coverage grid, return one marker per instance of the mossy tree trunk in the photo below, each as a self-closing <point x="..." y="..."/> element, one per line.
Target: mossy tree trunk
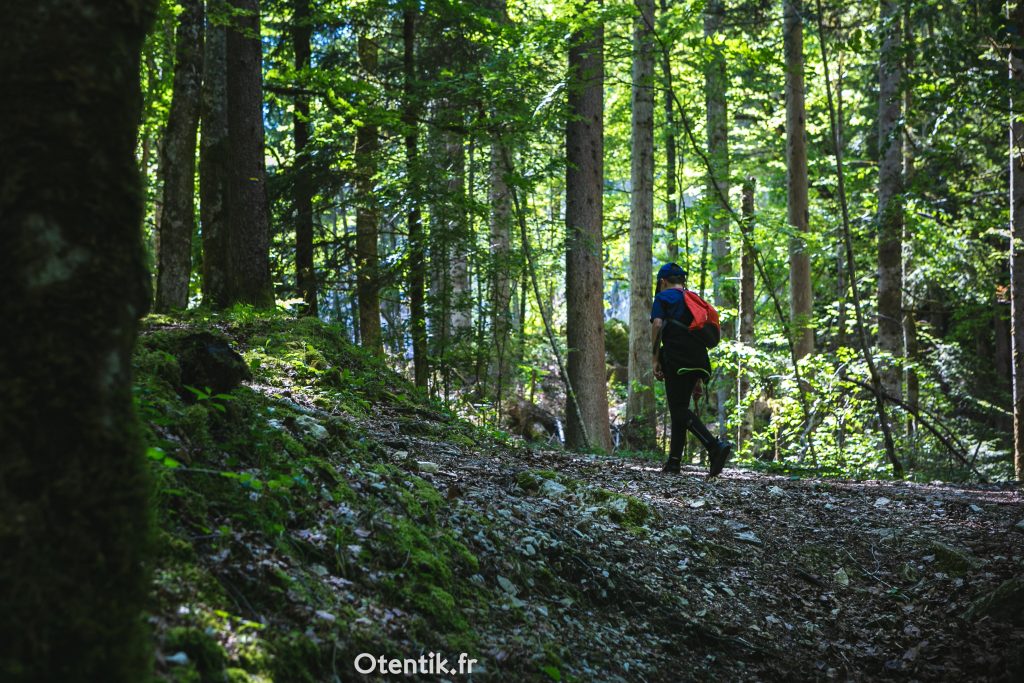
<point x="213" y="159"/>
<point x="248" y="212"/>
<point x="178" y="163"/>
<point x="368" y="211"/>
<point x="74" y="512"/>
<point x="305" y="272"/>
<point x="417" y="246"/>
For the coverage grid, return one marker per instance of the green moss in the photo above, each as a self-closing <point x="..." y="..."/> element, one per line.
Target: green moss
<point x="202" y="649"/>
<point x="296" y="659"/>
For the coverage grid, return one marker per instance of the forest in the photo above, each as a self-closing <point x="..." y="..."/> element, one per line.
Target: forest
<point x="329" y="324"/>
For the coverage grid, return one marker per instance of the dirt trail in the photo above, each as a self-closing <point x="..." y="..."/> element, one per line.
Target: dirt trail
<point x="746" y="577"/>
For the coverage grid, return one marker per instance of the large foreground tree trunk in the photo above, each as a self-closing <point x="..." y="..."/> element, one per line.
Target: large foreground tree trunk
<point x="640" y="389"/>
<point x="74" y="511"/>
<point x="305" y="272"/>
<point x="587" y="406"/>
<point x="248" y="213"/>
<point x="367" y="214"/>
<point x="213" y="160"/>
<point x="800" y="295"/>
<point x="178" y="163"/>
<point x="890" y="199"/>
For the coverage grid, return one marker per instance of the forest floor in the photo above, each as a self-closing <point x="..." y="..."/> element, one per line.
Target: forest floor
<point x="318" y="512"/>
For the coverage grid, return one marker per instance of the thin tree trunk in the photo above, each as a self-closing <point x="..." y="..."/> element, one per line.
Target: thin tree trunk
<point x="909" y="324"/>
<point x="248" y="213"/>
<point x="214" y="150"/>
<point x="75" y="503"/>
<point x="460" y="291"/>
<point x="746" y="313"/>
<point x="1017" y="244"/>
<point x="671" y="205"/>
<point x="587" y="421"/>
<point x="305" y="273"/>
<point x="640" y="414"/>
<point x="890" y="200"/>
<point x="501" y="255"/>
<point x="800" y="293"/>
<point x="417" y="283"/>
<point x="367" y="214"/>
<point x="717" y="189"/>
<point x="178" y="163"/>
<point x="876" y="380"/>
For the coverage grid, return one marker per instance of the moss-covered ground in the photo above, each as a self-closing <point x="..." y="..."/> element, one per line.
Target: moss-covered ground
<point x="324" y="508"/>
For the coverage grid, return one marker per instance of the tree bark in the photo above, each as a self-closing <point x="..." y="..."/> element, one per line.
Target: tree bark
<point x="800" y="292"/>
<point x="746" y="313"/>
<point x="502" y="266"/>
<point x="717" y="189"/>
<point x="178" y="163"/>
<point x="890" y="198"/>
<point x="640" y="414"/>
<point x="305" y="271"/>
<point x="214" y="150"/>
<point x="248" y="213"/>
<point x="1016" y="61"/>
<point x="367" y="213"/>
<point x="587" y="417"/>
<point x="74" y="487"/>
<point x="417" y="281"/>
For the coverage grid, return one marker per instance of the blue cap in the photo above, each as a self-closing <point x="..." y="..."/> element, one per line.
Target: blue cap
<point x="671" y="270"/>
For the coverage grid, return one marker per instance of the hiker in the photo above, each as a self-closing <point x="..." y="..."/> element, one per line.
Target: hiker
<point x="681" y="359"/>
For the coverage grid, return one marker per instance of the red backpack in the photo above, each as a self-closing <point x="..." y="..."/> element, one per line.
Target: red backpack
<point x="706" y="325"/>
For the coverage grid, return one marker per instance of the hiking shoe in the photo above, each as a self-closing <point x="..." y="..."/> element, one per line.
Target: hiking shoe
<point x="721" y="452"/>
<point x="671" y="466"/>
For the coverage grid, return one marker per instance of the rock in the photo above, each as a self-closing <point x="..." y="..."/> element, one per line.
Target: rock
<point x="178" y="658"/>
<point x="776" y="491"/>
<point x="311" y="427"/>
<point x="552" y="489"/>
<point x="507" y="586"/>
<point x="951" y="560"/>
<point x="882" y="502"/>
<point x="426" y="466"/>
<point x="1019" y="526"/>
<point x="1005" y="603"/>
<point x="209" y="362"/>
<point x="841" y="577"/>
<point x="749" y="537"/>
<point x="975" y="508"/>
<point x="326" y="616"/>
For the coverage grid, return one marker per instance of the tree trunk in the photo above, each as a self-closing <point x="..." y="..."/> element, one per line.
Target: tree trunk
<point x="909" y="323"/>
<point x="214" y="150"/>
<point x="586" y="417"/>
<point x="640" y="414"/>
<point x="248" y="212"/>
<point x="671" y="205"/>
<point x="460" y="238"/>
<point x="367" y="212"/>
<point x="502" y="267"/>
<point x="305" y="272"/>
<point x="716" y="83"/>
<point x="1016" y="60"/>
<point x="417" y="283"/>
<point x="75" y="485"/>
<point x="800" y="293"/>
<point x="890" y="200"/>
<point x="746" y="314"/>
<point x="178" y="163"/>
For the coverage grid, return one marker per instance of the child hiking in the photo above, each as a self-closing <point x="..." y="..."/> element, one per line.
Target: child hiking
<point x="683" y="327"/>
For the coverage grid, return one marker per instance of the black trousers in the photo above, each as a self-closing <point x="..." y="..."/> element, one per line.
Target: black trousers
<point x="678" y="392"/>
